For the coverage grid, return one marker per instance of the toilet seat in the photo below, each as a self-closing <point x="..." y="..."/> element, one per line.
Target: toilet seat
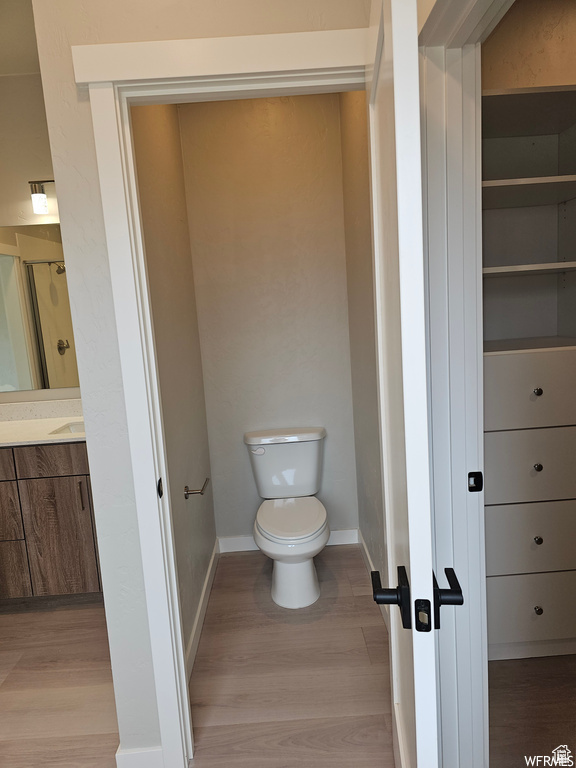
<point x="291" y="521"/>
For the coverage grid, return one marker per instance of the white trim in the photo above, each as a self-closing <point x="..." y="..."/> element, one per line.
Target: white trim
<point x="194" y="639"/>
<point x="247" y="543"/>
<point x="219" y="56"/>
<point x="385" y="609"/>
<point x="345" y="536"/>
<point x="531" y="649"/>
<point x="236" y="544"/>
<point x="456" y="23"/>
<point x="140" y="758"/>
<point x="142" y="404"/>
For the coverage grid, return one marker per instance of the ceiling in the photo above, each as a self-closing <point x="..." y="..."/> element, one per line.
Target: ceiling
<point x="18" y="53"/>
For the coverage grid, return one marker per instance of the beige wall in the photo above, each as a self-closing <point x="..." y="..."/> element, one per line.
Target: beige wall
<point x="156" y="134"/>
<point x="59" y="25"/>
<point x="264" y="191"/>
<point x="24" y="149"/>
<point x="533" y="45"/>
<point x="358" y="233"/>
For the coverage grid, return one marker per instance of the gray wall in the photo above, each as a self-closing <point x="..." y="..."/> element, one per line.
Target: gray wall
<point x="158" y="155"/>
<point x="264" y="192"/>
<point x="357" y="228"/>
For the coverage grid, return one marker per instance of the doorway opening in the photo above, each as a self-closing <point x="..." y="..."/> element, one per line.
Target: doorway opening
<point x="255" y="216"/>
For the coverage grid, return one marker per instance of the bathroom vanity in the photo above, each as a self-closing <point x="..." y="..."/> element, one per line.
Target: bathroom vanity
<point x="47" y="536"/>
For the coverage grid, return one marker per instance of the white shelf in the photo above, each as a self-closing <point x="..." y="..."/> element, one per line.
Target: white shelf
<point x="530" y="269"/>
<point x="528" y="344"/>
<point x="517" y="193"/>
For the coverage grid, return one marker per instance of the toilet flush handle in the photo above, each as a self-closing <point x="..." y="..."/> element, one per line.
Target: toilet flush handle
<point x="188" y="492"/>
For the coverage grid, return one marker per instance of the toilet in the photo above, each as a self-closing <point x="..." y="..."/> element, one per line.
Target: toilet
<point x="291" y="525"/>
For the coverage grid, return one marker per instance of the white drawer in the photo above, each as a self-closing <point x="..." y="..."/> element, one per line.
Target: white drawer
<point x="509" y="383"/>
<point x="510" y="458"/>
<point x="512" y="530"/>
<point x="511" y="603"/>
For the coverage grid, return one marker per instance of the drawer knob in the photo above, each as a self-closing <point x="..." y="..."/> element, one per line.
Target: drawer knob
<point x="538" y="391"/>
<point x="538" y="610"/>
<point x="538" y="467"/>
<point x="539" y="540"/>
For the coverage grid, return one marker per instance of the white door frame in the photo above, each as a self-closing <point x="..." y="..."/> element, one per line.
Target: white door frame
<point x="120" y="75"/>
<point x="451" y="130"/>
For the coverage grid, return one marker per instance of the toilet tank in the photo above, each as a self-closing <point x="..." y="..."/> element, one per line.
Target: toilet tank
<point x="286" y="462"/>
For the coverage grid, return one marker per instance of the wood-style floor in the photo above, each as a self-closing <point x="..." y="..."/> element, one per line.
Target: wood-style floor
<point x="56" y="698"/>
<point x="271" y="688"/>
<point x="276" y="688"/>
<point x="532" y="708"/>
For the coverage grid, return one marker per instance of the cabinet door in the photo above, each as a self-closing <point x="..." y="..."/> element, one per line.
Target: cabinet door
<point x="59" y="536"/>
<point x="14" y="571"/>
<point x="10" y="517"/>
<point x="6" y="464"/>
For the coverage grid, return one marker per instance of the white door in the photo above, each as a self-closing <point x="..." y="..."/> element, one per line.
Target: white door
<point x="394" y="118"/>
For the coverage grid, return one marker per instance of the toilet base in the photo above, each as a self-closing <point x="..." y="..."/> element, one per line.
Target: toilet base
<point x="295" y="585"/>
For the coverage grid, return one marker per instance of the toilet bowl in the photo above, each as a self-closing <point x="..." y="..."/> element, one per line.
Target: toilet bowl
<point x="292" y="532"/>
<point x="291" y="526"/>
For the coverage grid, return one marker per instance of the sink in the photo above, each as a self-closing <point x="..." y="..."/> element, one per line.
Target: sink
<point x="69" y="429"/>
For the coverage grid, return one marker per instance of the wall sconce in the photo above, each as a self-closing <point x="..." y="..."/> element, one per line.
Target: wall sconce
<point x="39" y="199"/>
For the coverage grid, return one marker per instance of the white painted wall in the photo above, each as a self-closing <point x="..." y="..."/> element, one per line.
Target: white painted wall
<point x="59" y="25"/>
<point x="264" y="191"/>
<point x="360" y="283"/>
<point x="158" y="155"/>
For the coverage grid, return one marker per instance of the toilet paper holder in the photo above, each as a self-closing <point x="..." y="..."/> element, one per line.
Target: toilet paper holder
<point x="188" y="492"/>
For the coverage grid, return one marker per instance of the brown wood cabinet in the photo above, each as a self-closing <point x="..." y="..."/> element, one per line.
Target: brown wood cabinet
<point x="59" y="535"/>
<point x="14" y="573"/>
<point x="47" y="539"/>
<point x="7" y="471"/>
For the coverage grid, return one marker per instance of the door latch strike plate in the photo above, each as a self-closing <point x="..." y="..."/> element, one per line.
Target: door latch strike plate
<point x="423" y="616"/>
<point x="475" y="482"/>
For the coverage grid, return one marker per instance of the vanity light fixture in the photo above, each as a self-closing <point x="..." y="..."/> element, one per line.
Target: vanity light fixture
<point x="39" y="199"/>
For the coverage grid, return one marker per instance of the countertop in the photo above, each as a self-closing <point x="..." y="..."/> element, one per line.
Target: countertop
<point x="39" y="431"/>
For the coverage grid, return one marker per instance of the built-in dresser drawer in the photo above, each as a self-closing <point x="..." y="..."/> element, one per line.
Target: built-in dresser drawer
<point x="55" y="460"/>
<point x="6" y="464"/>
<point x="531" y="607"/>
<point x="531" y="538"/>
<point x="526" y="389"/>
<point x="530" y="465"/>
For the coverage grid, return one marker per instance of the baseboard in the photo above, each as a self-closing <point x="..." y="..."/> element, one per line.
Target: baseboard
<point x="236" y="544"/>
<point x="247" y="543"/>
<point x="139" y="758"/>
<point x="370" y="566"/>
<point x="194" y="639"/>
<point x="400" y="745"/>
<point x="531" y="649"/>
<point x="347" y="536"/>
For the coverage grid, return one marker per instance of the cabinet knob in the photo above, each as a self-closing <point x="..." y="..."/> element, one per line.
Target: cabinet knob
<point x="539" y="540"/>
<point x="538" y="610"/>
<point x="538" y="391"/>
<point x="538" y="467"/>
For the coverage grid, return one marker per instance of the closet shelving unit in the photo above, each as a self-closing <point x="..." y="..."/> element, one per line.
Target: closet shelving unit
<point x="529" y="270"/>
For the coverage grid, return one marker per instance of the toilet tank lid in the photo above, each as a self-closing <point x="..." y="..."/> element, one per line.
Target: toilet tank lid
<point x="290" y="435"/>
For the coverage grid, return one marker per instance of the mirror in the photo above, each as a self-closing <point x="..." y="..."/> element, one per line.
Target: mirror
<point x="37" y="349"/>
